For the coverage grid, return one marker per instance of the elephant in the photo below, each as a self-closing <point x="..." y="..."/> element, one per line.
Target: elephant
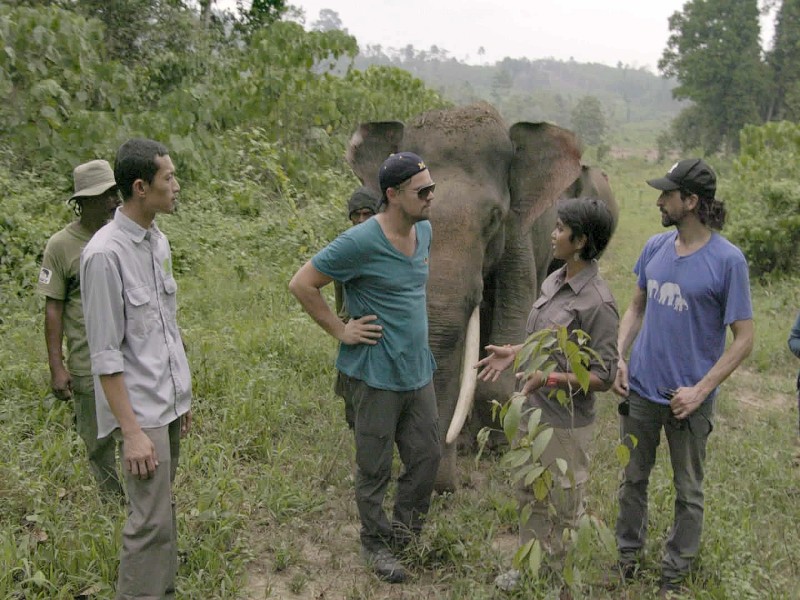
<point x="492" y="216"/>
<point x="668" y="293"/>
<point x="592" y="183"/>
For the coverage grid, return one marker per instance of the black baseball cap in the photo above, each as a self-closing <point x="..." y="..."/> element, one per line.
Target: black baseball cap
<point x="691" y="174"/>
<point x="398" y="168"/>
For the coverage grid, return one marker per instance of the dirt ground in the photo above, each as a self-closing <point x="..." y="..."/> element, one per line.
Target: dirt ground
<point x="319" y="558"/>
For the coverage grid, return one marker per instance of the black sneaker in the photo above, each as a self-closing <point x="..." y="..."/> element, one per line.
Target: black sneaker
<point x="620" y="573"/>
<point x="628" y="571"/>
<point x="672" y="589"/>
<point x="384" y="565"/>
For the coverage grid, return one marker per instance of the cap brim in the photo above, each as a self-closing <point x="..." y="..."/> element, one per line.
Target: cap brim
<point x="94" y="190"/>
<point x="663" y="184"/>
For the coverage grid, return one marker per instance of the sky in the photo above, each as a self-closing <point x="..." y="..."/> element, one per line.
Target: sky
<point x="633" y="32"/>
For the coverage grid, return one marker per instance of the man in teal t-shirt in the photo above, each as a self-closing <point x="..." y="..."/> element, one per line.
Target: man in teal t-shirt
<point x="383" y="266"/>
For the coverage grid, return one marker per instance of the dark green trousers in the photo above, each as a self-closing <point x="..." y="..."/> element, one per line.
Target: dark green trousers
<point x="410" y="420"/>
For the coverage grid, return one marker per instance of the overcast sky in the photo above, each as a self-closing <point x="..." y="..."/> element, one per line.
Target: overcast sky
<point x="634" y="32"/>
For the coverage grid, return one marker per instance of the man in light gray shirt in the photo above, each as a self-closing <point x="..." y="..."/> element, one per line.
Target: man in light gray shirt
<point x="142" y="381"/>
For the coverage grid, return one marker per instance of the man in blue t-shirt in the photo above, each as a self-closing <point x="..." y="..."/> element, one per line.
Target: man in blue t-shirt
<point x="692" y="285"/>
<point x="383" y="266"/>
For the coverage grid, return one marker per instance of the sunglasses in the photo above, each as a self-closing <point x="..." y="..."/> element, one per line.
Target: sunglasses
<point x="422" y="193"/>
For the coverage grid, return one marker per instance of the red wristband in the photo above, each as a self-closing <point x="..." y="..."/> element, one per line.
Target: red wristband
<point x="552" y="381"/>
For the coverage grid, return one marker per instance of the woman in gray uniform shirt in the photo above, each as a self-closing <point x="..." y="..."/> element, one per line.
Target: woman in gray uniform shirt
<point x="575" y="297"/>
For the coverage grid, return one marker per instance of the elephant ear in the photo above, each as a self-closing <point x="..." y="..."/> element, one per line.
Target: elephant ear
<point x="594" y="183"/>
<point x="547" y="160"/>
<point x="369" y="147"/>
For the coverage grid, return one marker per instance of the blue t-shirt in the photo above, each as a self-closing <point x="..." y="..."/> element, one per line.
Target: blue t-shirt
<point x="380" y="280"/>
<point x="690" y="301"/>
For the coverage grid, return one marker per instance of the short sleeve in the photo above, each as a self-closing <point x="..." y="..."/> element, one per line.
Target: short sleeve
<point x="52" y="281"/>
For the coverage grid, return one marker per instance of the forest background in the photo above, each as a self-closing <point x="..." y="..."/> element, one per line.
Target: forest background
<point x="256" y="111"/>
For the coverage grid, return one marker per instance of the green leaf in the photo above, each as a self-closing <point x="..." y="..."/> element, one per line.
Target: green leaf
<point x="512" y="417"/>
<point x="533" y="475"/>
<point x="539" y="444"/>
<point x="515" y="458"/>
<point x="541" y="487"/>
<point x="535" y="559"/>
<point x="522" y="553"/>
<point x="562" y="465"/>
<point x="623" y="455"/>
<point x="534" y="419"/>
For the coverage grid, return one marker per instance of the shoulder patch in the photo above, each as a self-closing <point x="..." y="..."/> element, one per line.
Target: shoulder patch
<point x="45" y="275"/>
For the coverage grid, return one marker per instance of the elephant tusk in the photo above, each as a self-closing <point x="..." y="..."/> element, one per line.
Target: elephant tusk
<point x="469" y="377"/>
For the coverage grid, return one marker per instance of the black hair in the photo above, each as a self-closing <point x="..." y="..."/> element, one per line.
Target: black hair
<point x="589" y="217"/>
<point x="136" y="159"/>
<point x="710" y="211"/>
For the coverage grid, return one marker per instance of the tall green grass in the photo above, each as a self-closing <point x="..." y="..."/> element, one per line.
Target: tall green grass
<point x="265" y="484"/>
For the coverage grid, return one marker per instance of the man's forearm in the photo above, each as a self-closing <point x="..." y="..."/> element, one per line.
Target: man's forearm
<point x="54" y="334"/>
<point x="733" y="356"/>
<point x="314" y="304"/>
<point x="629" y="327"/>
<point x="117" y="396"/>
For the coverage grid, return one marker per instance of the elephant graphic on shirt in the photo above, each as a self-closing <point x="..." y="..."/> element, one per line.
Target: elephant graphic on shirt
<point x="669" y="293"/>
<point x="652" y="288"/>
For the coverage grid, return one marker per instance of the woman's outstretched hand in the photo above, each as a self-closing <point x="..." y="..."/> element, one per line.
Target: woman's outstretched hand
<point x="498" y="360"/>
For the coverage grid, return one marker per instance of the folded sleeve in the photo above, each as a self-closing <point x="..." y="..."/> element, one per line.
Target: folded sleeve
<point x="103" y="311"/>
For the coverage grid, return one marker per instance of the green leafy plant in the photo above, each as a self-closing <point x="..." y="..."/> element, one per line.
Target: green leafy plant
<point x="544" y="351"/>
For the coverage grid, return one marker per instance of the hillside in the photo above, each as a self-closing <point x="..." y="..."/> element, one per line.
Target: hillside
<point x="541" y="89"/>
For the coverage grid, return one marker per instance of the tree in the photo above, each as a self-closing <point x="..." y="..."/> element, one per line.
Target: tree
<point x="328" y="21"/>
<point x="502" y="82"/>
<point x="588" y="120"/>
<point x="784" y="61"/>
<point x="261" y="13"/>
<point x="715" y="54"/>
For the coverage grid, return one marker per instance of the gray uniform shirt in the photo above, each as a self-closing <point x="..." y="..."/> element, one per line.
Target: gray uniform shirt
<point x="129" y="307"/>
<point x="584" y="302"/>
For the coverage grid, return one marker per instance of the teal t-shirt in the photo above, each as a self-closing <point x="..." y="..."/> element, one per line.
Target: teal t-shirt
<point x="379" y="280"/>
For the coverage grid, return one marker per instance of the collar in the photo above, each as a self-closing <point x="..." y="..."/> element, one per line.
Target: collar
<point x="132" y="229"/>
<point x="580" y="280"/>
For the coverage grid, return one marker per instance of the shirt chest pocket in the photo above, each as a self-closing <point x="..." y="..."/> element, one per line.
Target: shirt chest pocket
<point x="139" y="311"/>
<point x="550" y="315"/>
<point x="562" y="316"/>
<point x="170" y="287"/>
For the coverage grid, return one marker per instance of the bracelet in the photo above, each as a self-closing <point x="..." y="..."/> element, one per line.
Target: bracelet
<point x="552" y="381"/>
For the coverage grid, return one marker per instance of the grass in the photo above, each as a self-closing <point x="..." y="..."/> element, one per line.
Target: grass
<point x="265" y="486"/>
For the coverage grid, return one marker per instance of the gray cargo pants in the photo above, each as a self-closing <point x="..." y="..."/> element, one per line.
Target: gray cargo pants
<point x="384" y="418"/>
<point x="149" y="556"/>
<point x="102" y="452"/>
<point x="687" y="452"/>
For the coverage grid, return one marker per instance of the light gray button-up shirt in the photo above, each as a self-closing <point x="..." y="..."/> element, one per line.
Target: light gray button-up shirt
<point x="130" y="308"/>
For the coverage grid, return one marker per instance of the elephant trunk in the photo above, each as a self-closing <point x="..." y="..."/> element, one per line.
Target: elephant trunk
<point x="469" y="377"/>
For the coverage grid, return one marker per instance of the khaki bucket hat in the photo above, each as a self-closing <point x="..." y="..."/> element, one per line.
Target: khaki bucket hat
<point x="92" y="179"/>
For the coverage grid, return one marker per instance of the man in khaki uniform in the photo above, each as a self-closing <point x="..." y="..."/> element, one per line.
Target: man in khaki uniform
<point x="94" y="201"/>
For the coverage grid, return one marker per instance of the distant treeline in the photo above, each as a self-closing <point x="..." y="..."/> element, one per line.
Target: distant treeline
<point x="536" y="90"/>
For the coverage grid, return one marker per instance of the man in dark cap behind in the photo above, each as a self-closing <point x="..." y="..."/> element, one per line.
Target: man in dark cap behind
<point x="692" y="285"/>
<point x="363" y="205"/>
<point x="383" y="265"/>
